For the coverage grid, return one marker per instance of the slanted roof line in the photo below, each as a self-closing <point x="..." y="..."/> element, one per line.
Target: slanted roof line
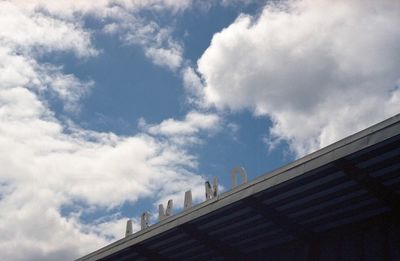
<point x="292" y="192"/>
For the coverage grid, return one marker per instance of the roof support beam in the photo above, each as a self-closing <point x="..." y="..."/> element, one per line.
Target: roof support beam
<point x="151" y="255"/>
<point x="222" y="249"/>
<point x="272" y="215"/>
<point x="371" y="184"/>
<point x="132" y="253"/>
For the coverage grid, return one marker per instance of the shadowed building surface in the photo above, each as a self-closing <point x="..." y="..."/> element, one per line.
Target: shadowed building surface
<point x="339" y="203"/>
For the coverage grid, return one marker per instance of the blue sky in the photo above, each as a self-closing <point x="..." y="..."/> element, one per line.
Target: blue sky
<point x="110" y="107"/>
<point x="129" y="87"/>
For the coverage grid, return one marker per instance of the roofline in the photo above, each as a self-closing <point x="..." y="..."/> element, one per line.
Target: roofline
<point x="351" y="144"/>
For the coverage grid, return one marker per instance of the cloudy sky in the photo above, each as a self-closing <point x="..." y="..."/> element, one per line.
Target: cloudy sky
<point x="110" y="107"/>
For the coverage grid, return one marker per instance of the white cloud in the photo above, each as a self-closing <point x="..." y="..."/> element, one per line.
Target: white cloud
<point x="165" y="57"/>
<point x="47" y="165"/>
<point x="32" y="228"/>
<point x="102" y="8"/>
<point x="16" y="70"/>
<point x="193" y="87"/>
<point x="44" y="168"/>
<point x="58" y="26"/>
<point x="193" y="123"/>
<point x="33" y="31"/>
<point x="186" y="131"/>
<point x="156" y="41"/>
<point x="23" y="70"/>
<point x="319" y="69"/>
<point x="66" y="86"/>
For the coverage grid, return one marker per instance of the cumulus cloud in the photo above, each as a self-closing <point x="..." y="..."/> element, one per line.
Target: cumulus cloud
<point x="193" y="87"/>
<point x="66" y="87"/>
<point x="320" y="70"/>
<point x="192" y="124"/>
<point x="28" y="31"/>
<point x="156" y="41"/>
<point x="60" y="24"/>
<point x="48" y="165"/>
<point x="170" y="58"/>
<point x="23" y="70"/>
<point x="102" y="8"/>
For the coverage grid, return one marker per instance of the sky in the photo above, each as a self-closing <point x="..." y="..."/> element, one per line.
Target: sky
<point x="111" y="107"/>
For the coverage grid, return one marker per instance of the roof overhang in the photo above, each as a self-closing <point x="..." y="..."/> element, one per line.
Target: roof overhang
<point x="350" y="181"/>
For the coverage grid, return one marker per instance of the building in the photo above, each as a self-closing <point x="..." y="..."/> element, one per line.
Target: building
<point x="339" y="203"/>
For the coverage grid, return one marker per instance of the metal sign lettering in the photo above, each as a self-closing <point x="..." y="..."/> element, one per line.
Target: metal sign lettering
<point x="163" y="214"/>
<point x="234" y="173"/>
<point x="145" y="220"/>
<point x="211" y="192"/>
<point x="188" y="200"/>
<point x="128" y="230"/>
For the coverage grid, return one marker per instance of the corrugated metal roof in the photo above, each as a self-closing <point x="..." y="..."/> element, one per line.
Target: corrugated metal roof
<point x="353" y="180"/>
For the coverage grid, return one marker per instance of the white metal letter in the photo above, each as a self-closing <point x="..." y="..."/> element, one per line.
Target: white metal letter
<point x="164" y="214"/>
<point x="128" y="230"/>
<point x="145" y="220"/>
<point x="234" y="173"/>
<point x="188" y="200"/>
<point x="211" y="192"/>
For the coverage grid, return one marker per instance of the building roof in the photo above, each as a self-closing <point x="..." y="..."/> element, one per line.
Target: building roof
<point x="350" y="181"/>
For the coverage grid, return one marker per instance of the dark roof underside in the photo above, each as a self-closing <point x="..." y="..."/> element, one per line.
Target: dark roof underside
<point x="352" y="181"/>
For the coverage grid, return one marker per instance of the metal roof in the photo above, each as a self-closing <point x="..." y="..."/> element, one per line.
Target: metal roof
<point x="350" y="181"/>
